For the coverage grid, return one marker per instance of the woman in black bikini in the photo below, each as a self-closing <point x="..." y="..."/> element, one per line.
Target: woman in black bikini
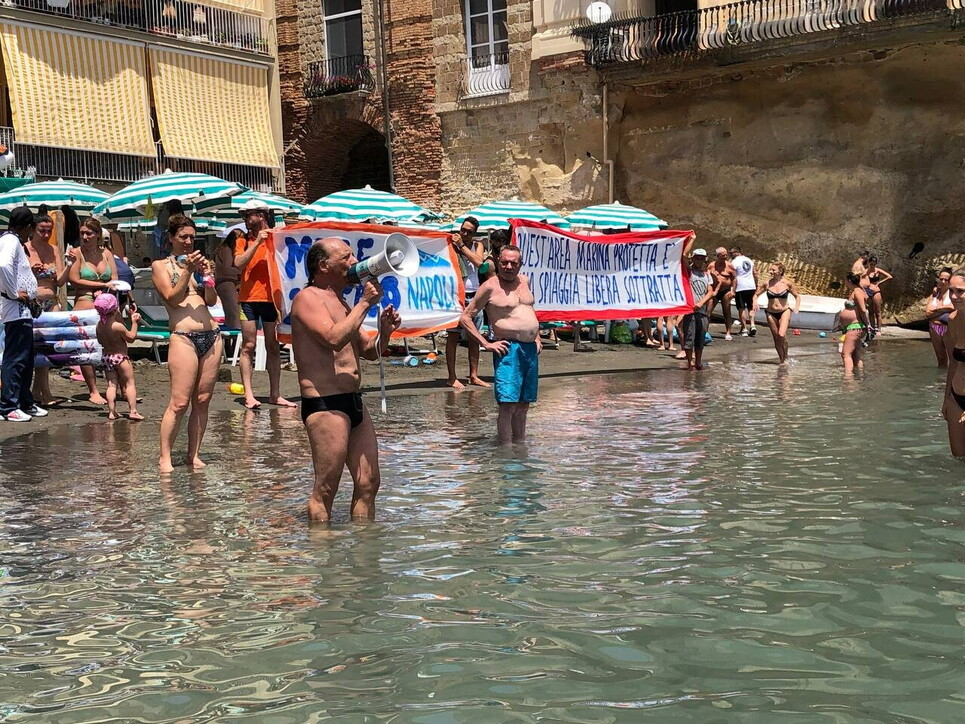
<point x="194" y="352"/>
<point x="937" y="310"/>
<point x="953" y="409"/>
<point x="871" y="283"/>
<point x="778" y="310"/>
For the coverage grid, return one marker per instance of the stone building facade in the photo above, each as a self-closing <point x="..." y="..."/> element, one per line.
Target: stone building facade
<point x="802" y="139"/>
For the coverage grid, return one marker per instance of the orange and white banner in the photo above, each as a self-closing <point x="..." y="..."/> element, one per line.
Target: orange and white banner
<point x="428" y="302"/>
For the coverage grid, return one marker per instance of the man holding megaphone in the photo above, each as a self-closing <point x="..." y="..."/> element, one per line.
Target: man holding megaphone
<point x="327" y="341"/>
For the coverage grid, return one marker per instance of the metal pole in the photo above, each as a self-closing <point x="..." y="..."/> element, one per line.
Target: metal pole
<point x="606" y="152"/>
<point x="384" y="72"/>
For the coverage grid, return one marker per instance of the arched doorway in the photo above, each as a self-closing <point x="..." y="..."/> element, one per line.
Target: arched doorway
<point x="368" y="163"/>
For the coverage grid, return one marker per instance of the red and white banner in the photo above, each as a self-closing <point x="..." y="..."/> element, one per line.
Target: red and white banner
<point x="621" y="276"/>
<point x="427" y="302"/>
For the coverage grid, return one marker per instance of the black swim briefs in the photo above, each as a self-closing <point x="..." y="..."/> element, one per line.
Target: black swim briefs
<point x="348" y="403"/>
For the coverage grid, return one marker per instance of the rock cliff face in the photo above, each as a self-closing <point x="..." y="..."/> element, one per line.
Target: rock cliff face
<point x="810" y="163"/>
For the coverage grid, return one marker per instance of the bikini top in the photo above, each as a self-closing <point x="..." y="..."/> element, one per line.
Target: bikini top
<point x="850" y="304"/>
<point x="874" y="278"/>
<point x="89" y="273"/>
<point x="48" y="272"/>
<point x="779" y="295"/>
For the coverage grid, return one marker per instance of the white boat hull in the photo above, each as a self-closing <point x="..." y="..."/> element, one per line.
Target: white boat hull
<point x="816" y="312"/>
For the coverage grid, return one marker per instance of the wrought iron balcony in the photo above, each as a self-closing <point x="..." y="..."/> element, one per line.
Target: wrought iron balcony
<point x="114" y="168"/>
<point x="334" y="76"/>
<point x="486" y="75"/>
<point x="188" y="21"/>
<point x="692" y="31"/>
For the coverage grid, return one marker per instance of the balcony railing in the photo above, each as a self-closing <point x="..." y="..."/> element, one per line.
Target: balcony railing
<point x="333" y="76"/>
<point x="97" y="166"/>
<point x="173" y="18"/>
<point x="645" y="38"/>
<point x="486" y="75"/>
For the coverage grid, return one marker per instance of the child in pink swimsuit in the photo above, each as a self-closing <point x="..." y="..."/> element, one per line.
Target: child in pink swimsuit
<point x="114" y="338"/>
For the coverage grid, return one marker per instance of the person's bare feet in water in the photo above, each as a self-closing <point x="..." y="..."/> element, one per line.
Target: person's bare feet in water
<point x="198" y="463"/>
<point x="281" y="402"/>
<point x="455" y="384"/>
<point x="164" y="465"/>
<point x="112" y="416"/>
<point x="478" y="382"/>
<point x="97" y="399"/>
<point x="251" y="403"/>
<point x="135" y="415"/>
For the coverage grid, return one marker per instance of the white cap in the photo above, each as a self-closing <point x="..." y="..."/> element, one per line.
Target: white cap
<point x="254" y="205"/>
<point x="699" y="252"/>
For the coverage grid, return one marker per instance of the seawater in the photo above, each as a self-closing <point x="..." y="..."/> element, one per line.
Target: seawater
<point x="745" y="544"/>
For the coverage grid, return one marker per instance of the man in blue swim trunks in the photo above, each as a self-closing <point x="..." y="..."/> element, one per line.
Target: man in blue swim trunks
<point x="508" y="300"/>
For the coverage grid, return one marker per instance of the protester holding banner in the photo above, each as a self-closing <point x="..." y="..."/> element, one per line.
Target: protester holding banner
<point x="694" y="325"/>
<point x="508" y="301"/>
<point x="257" y="307"/>
<point x="327" y="341"/>
<point x="471" y="254"/>
<point x="194" y="352"/>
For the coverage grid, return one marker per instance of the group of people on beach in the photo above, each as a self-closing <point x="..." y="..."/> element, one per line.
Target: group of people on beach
<point x="328" y="339"/>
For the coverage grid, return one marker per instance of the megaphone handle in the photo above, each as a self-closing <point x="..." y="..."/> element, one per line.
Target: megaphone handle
<point x="378" y="351"/>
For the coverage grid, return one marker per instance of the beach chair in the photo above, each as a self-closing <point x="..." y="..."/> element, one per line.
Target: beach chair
<point x="154" y="328"/>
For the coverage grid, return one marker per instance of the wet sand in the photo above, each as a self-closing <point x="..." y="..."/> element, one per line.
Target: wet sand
<point x="557" y="366"/>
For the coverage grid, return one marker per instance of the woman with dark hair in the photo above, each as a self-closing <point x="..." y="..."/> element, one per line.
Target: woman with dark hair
<point x="51" y="272"/>
<point x="937" y="309"/>
<point x="853" y="323"/>
<point x="93" y="271"/>
<point x="778" y="311"/>
<point x="871" y="282"/>
<point x="953" y="409"/>
<point x="185" y="284"/>
<point x="226" y="277"/>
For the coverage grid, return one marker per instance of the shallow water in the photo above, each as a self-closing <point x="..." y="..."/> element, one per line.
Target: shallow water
<point x="746" y="544"/>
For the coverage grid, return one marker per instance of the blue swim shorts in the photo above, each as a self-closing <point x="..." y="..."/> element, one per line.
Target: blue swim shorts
<point x="517" y="373"/>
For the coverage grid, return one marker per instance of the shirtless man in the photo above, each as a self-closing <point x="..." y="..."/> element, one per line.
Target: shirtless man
<point x="327" y="343"/>
<point x="508" y="301"/>
<point x="724" y="277"/>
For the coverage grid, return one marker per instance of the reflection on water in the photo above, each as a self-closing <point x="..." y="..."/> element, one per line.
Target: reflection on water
<point x="745" y="544"/>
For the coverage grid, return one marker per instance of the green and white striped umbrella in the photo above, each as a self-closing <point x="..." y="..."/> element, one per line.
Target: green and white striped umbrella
<point x="496" y="215"/>
<point x="53" y="194"/>
<point x="607" y="217"/>
<point x="281" y="206"/>
<point x="213" y="225"/>
<point x="203" y="191"/>
<point x="360" y="205"/>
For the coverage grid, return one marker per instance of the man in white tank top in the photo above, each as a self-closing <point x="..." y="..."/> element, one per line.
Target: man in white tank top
<point x="744" y="289"/>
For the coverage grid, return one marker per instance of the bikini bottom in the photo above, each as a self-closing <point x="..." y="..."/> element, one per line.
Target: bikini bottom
<point x="203" y="341"/>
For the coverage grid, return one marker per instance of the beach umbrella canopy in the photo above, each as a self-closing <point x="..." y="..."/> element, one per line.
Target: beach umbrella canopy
<point x="141" y="197"/>
<point x="496" y="215"/>
<point x="360" y="205"/>
<point x="604" y="217"/>
<point x="278" y="204"/>
<point x="53" y="194"/>
<point x="213" y="225"/>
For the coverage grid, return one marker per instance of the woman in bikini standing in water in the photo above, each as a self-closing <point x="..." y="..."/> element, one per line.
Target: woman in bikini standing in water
<point x="194" y="350"/>
<point x="953" y="409"/>
<point x="853" y="323"/>
<point x="778" y="310"/>
<point x="93" y="272"/>
<point x="937" y="309"/>
<point x="871" y="282"/>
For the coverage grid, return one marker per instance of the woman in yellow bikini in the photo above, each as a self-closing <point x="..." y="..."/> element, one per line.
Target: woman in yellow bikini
<point x="91" y="272"/>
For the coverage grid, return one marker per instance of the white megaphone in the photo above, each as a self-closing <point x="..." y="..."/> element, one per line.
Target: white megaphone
<point x="399" y="257"/>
